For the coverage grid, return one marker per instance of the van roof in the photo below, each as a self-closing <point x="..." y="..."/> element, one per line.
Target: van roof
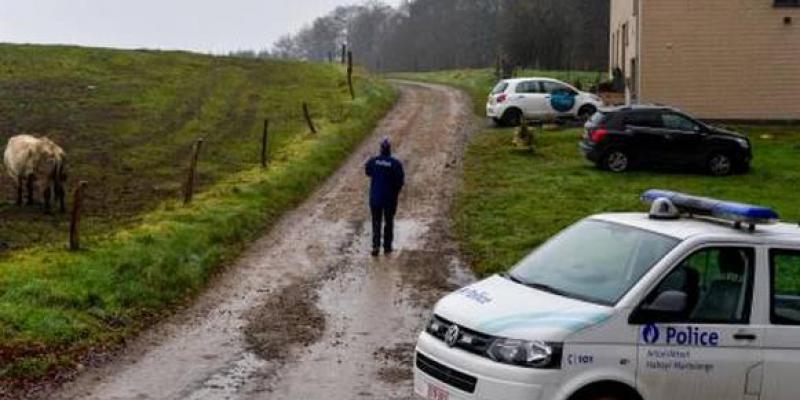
<point x="533" y="78"/>
<point x="686" y="228"/>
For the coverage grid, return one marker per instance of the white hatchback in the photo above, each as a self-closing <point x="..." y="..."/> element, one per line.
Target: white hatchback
<point x="698" y="300"/>
<point x="539" y="99"/>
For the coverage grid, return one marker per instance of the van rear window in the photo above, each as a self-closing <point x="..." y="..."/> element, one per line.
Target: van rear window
<point x="500" y="88"/>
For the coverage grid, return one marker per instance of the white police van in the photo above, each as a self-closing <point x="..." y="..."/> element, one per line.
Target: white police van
<point x="700" y="299"/>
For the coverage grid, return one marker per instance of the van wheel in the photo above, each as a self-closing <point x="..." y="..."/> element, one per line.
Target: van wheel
<point x="512" y="117"/>
<point x="586" y="112"/>
<point x="604" y="397"/>
<point x="616" y="160"/>
<point x="719" y="164"/>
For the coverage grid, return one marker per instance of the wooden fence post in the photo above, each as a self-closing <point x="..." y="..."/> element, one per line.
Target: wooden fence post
<point x="75" y="221"/>
<point x="309" y="121"/>
<point x="350" y="74"/>
<point x="189" y="190"/>
<point x="264" y="143"/>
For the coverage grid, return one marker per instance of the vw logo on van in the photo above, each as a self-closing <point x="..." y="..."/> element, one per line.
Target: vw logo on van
<point x="650" y="333"/>
<point x="452" y="335"/>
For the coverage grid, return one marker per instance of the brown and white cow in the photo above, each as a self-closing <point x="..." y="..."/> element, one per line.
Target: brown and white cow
<point x="39" y="162"/>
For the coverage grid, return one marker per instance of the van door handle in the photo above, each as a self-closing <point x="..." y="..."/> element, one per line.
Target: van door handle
<point x="745" y="336"/>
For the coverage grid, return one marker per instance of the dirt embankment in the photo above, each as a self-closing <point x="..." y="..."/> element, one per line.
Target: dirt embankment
<point x="306" y="312"/>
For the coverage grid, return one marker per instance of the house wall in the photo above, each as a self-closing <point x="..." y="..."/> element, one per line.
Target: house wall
<point x="721" y="59"/>
<point x="622" y="41"/>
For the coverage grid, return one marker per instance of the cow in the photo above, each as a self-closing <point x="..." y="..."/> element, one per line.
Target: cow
<point x="36" y="162"/>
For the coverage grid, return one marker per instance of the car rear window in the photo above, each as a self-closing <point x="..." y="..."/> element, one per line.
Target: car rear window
<point x="500" y="88"/>
<point x="598" y="118"/>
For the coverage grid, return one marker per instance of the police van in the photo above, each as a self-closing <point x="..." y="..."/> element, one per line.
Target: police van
<point x="699" y="299"/>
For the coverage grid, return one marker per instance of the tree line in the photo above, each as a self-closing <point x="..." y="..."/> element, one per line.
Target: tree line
<point x="422" y="35"/>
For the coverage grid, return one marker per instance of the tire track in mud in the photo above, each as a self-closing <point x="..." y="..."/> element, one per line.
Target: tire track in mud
<point x="306" y="313"/>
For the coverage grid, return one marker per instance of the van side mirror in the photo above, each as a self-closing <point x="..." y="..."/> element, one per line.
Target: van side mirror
<point x="669" y="306"/>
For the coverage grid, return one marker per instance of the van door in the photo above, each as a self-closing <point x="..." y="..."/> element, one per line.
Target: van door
<point x="530" y="98"/>
<point x="695" y="338"/>
<point x="782" y="336"/>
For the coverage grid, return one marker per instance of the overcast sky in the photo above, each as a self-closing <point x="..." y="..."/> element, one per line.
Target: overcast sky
<point x="200" y="25"/>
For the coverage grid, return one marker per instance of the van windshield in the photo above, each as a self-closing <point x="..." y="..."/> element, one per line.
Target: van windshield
<point x="593" y="260"/>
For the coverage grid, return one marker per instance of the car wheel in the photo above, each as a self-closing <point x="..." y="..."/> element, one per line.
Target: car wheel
<point x="586" y="112"/>
<point x="512" y="117"/>
<point x="720" y="164"/>
<point x="616" y="160"/>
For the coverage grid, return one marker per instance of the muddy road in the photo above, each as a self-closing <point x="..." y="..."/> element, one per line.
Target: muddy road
<point x="306" y="312"/>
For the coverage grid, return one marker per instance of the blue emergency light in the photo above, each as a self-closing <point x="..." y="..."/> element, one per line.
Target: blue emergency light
<point x="737" y="213"/>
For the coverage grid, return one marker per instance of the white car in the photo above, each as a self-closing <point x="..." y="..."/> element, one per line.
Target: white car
<point x="630" y="306"/>
<point x="539" y="99"/>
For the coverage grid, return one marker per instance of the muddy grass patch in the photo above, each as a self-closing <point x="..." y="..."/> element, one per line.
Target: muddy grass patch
<point x="299" y="324"/>
<point x="395" y="363"/>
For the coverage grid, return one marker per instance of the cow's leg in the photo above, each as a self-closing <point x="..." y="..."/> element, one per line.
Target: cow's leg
<point x="30" y="189"/>
<point x="59" y="189"/>
<point x="20" y="179"/>
<point x="47" y="193"/>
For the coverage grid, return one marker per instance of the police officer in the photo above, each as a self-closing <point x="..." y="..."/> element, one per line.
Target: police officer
<point x="388" y="178"/>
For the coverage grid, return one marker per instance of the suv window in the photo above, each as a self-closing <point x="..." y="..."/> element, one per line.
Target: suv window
<point x="678" y="122"/>
<point x="717" y="284"/>
<point x="554" y="87"/>
<point x="785" y="293"/>
<point x="529" y="87"/>
<point x="647" y="119"/>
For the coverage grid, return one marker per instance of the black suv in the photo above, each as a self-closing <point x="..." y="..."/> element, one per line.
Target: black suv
<point x="618" y="139"/>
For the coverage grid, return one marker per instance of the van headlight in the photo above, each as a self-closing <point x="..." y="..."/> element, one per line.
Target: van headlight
<point x="532" y="354"/>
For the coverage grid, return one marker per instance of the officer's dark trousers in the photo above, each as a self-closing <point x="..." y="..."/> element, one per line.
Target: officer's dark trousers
<point x="383" y="216"/>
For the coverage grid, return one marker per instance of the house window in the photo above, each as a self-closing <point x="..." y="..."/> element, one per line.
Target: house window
<point x="787" y="3"/>
<point x="625" y="34"/>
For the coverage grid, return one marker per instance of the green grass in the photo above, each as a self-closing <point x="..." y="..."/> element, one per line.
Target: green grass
<point x="479" y="82"/>
<point x="511" y="201"/>
<point x="56" y="305"/>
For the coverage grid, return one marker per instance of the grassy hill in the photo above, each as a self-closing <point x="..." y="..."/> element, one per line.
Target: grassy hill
<point x="127" y="120"/>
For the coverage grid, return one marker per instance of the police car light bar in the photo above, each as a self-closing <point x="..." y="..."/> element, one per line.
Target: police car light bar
<point x="738" y="213"/>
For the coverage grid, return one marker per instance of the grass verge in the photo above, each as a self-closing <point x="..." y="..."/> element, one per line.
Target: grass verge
<point x="511" y="201"/>
<point x="56" y="306"/>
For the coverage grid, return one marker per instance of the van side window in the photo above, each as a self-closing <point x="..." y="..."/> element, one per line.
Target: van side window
<point x="555" y="87"/>
<point x="716" y="283"/>
<point x="529" y="87"/>
<point x="785" y="293"/>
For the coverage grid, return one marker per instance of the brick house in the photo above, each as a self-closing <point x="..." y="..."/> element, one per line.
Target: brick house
<point x="717" y="59"/>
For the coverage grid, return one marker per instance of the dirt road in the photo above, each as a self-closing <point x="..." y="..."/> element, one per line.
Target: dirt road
<point x="306" y="313"/>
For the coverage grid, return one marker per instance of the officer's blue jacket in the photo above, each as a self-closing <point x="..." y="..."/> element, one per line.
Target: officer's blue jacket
<point x="388" y="178"/>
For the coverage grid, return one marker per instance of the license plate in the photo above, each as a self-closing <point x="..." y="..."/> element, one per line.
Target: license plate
<point x="435" y="393"/>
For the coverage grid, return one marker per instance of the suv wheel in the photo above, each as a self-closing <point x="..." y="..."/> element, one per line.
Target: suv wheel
<point x="616" y="160"/>
<point x="586" y="112"/>
<point x="512" y="117"/>
<point x="720" y="164"/>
